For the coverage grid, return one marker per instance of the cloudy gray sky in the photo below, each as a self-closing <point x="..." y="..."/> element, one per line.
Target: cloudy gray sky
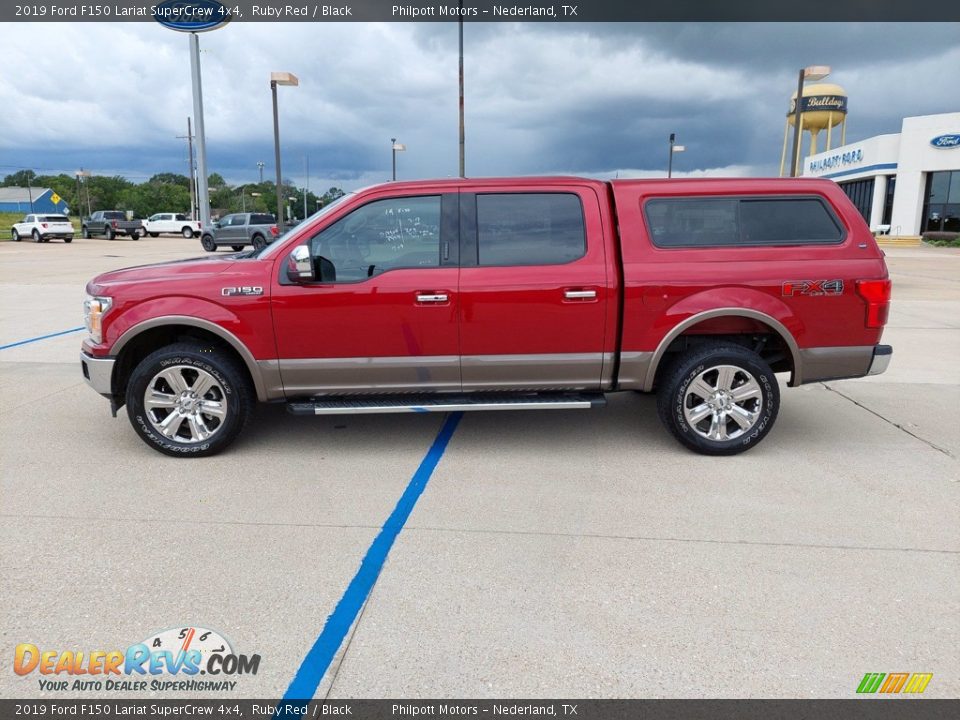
<point x="540" y="98"/>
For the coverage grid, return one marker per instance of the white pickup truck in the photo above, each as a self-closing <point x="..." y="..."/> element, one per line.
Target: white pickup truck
<point x="171" y="223"/>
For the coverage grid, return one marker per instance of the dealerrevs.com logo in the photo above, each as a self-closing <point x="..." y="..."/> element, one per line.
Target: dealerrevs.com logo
<point x="170" y="660"/>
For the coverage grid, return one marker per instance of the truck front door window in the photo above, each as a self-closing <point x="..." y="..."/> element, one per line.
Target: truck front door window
<point x="383" y="235"/>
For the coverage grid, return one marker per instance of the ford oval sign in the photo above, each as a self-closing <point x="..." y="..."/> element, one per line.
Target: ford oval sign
<point x="191" y="15"/>
<point x="946" y="141"/>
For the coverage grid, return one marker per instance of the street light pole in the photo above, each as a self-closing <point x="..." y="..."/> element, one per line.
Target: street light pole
<point x="463" y="170"/>
<point x="393" y="151"/>
<point x="673" y="139"/>
<point x="203" y="193"/>
<point x="260" y="168"/>
<point x="279" y="78"/>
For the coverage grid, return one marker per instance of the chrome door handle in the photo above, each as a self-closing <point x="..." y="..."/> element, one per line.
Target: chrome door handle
<point x="438" y="298"/>
<point x="579" y="294"/>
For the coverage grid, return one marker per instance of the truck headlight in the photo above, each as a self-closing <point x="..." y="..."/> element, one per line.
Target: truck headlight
<point x="93" y="311"/>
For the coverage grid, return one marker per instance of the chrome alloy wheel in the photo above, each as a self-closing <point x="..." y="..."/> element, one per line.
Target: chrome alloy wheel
<point x="185" y="404"/>
<point x="722" y="403"/>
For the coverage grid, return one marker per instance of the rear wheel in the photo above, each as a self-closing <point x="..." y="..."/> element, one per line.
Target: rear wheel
<point x="189" y="399"/>
<point x="187" y="232"/>
<point x="36" y="236"/>
<point x="85" y="233"/>
<point x="110" y="234"/>
<point x="259" y="242"/>
<point x="208" y="243"/>
<point x="719" y="399"/>
<point x="14" y="235"/>
<point x="135" y="235"/>
<point x="68" y="239"/>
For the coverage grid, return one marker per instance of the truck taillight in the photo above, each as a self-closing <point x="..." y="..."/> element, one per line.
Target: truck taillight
<point x="877" y="295"/>
<point x="274" y="231"/>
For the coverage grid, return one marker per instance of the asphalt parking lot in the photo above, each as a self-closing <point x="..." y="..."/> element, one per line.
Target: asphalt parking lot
<point x="551" y="554"/>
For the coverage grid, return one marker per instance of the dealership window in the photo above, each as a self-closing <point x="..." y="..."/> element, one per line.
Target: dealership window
<point x="529" y="229"/>
<point x="888" y="201"/>
<point x="941" y="207"/>
<point x="860" y="193"/>
<point x="719" y="222"/>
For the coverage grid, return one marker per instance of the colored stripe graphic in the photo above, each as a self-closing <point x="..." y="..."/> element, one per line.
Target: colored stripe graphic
<point x="894" y="682"/>
<point x="41" y="337"/>
<point x="918" y="682"/>
<point x="870" y="682"/>
<point x="318" y="659"/>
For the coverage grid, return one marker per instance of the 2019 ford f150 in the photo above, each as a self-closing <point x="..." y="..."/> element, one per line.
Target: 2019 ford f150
<point x="494" y="294"/>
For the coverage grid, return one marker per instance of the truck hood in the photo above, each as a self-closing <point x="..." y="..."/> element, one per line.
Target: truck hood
<point x="189" y="269"/>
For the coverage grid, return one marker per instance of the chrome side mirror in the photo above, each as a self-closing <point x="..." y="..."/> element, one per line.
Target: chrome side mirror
<point x="300" y="265"/>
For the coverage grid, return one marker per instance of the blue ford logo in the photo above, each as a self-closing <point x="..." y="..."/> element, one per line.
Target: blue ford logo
<point x="191" y="15"/>
<point x="946" y="141"/>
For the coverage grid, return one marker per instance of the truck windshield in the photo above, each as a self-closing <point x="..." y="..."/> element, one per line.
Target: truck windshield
<point x="273" y="247"/>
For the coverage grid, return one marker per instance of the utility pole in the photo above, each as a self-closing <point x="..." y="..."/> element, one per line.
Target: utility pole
<point x="306" y="212"/>
<point x="193" y="178"/>
<point x="463" y="170"/>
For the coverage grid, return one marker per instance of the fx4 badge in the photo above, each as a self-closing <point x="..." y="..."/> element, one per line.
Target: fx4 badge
<point x="811" y="287"/>
<point x="242" y="290"/>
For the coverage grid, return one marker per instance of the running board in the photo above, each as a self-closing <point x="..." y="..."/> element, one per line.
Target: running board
<point x="447" y="403"/>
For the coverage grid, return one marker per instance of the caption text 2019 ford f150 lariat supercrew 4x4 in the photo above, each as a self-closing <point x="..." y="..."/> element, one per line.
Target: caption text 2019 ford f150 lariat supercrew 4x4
<point x="496" y="294"/>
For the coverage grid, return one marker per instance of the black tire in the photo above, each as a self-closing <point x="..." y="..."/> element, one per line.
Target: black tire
<point x="85" y="233"/>
<point x="36" y="236"/>
<point x="110" y="234"/>
<point x="135" y="235"/>
<point x="187" y="233"/>
<point x="704" y="362"/>
<point x="259" y="242"/>
<point x="68" y="239"/>
<point x="237" y="248"/>
<point x="191" y="359"/>
<point x="208" y="243"/>
<point x="14" y="235"/>
<point x="153" y="234"/>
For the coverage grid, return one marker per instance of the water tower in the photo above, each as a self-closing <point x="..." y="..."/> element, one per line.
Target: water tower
<point x="823" y="107"/>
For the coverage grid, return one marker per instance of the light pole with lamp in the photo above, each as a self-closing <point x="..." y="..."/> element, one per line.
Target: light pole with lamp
<point x="674" y="148"/>
<point x="254" y="195"/>
<point x="279" y="78"/>
<point x="260" y="168"/>
<point x="396" y="147"/>
<point x="812" y="72"/>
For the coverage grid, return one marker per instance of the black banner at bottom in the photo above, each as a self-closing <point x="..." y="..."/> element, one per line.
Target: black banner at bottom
<point x="875" y="708"/>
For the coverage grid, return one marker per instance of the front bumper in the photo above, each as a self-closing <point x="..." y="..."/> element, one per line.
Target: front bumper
<point x="98" y="372"/>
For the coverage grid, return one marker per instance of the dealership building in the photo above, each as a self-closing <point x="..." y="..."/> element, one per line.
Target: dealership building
<point x="905" y="183"/>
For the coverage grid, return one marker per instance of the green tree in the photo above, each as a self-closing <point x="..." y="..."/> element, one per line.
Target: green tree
<point x="174" y="178"/>
<point x="215" y="180"/>
<point x="21" y="178"/>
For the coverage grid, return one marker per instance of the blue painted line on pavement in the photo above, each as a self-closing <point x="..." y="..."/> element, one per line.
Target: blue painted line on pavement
<point x="317" y="661"/>
<point x="41" y="337"/>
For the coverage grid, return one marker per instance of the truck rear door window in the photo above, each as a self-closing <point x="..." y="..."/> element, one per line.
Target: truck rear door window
<point x="726" y="222"/>
<point x="529" y="229"/>
<point x="262" y="219"/>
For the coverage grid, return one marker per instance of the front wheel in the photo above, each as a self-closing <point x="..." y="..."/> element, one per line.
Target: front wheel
<point x="153" y="234"/>
<point x="719" y="399"/>
<point x="189" y="399"/>
<point x="85" y="233"/>
<point x="110" y="234"/>
<point x="14" y="235"/>
<point x="208" y="243"/>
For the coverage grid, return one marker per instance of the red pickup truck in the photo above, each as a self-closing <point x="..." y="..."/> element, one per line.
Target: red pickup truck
<point x="495" y="294"/>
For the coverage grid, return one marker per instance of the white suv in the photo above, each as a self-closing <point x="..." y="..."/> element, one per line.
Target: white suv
<point x="43" y="227"/>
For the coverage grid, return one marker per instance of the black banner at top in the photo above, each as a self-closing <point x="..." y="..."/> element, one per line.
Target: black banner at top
<point x="209" y="14"/>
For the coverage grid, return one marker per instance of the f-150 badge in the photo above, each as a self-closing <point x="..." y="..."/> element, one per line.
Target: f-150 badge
<point x="811" y="287"/>
<point x="242" y="290"/>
